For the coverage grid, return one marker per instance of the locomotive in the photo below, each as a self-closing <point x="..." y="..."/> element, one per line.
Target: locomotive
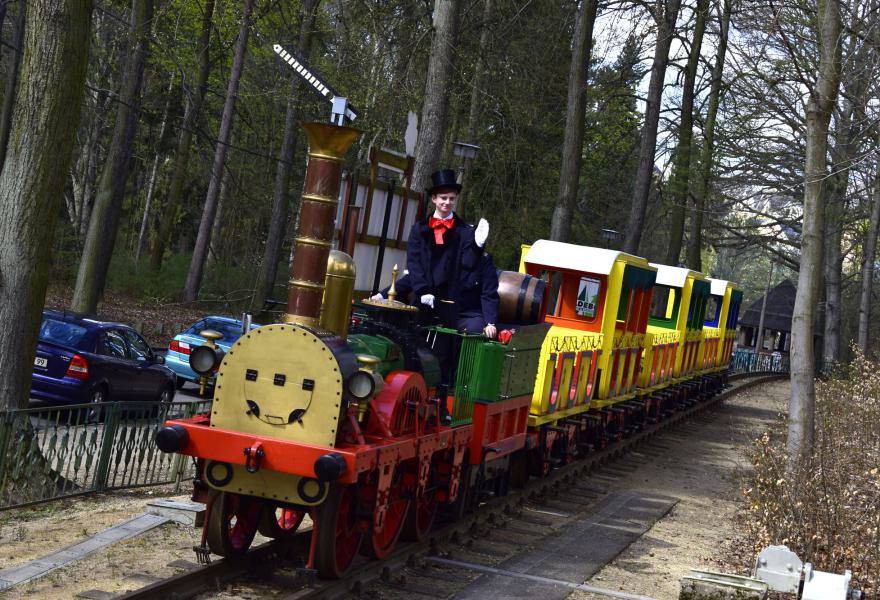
<point x="345" y="414"/>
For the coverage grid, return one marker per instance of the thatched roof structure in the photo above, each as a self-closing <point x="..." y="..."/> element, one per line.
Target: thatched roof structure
<point x="780" y="306"/>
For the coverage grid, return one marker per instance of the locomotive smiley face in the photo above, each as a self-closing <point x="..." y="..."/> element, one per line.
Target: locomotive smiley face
<point x="285" y="382"/>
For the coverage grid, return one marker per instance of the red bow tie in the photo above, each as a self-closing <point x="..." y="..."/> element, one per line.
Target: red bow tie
<point x="440" y="226"/>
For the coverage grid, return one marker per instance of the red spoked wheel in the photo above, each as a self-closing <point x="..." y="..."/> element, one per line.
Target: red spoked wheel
<point x="233" y="523"/>
<point x="382" y="542"/>
<point x="339" y="532"/>
<point x="279" y="522"/>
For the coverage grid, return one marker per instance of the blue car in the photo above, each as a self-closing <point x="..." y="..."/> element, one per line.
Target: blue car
<point x="80" y="359"/>
<point x="177" y="358"/>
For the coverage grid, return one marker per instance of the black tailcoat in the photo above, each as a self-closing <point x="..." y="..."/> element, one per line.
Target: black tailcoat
<point x="452" y="271"/>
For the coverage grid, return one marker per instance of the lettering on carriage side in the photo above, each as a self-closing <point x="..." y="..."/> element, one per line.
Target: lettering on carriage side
<point x="574" y="343"/>
<point x="627" y="340"/>
<point x="667" y="337"/>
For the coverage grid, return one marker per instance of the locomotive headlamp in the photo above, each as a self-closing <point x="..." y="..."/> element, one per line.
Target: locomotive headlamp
<point x="365" y="383"/>
<point x="205" y="359"/>
<point x="361" y="385"/>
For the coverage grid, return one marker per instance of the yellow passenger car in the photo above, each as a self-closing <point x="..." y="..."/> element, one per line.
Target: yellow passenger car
<point x="675" y="325"/>
<point x="598" y="306"/>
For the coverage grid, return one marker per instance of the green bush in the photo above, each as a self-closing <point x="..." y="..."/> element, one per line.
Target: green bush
<point x="138" y="280"/>
<point x="829" y="511"/>
<point x="224" y="287"/>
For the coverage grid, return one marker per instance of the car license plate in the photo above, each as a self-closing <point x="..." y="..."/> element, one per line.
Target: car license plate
<point x="40" y="362"/>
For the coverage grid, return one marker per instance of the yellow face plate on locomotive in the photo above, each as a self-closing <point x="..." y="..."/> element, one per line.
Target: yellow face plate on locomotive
<point x="280" y="381"/>
<point x="272" y="485"/>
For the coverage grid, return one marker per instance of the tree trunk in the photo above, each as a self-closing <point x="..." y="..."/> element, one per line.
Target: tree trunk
<point x="12" y="81"/>
<point x="196" y="266"/>
<point x="432" y="129"/>
<point x="823" y="95"/>
<point x="477" y="91"/>
<point x="151" y="182"/>
<point x="573" y="142"/>
<point x="104" y="223"/>
<point x="695" y="242"/>
<point x="665" y="15"/>
<point x="193" y="109"/>
<point x="868" y="267"/>
<point x="834" y="212"/>
<point x="833" y="263"/>
<point x="681" y="164"/>
<point x="44" y="123"/>
<point x="281" y="197"/>
<point x="217" y="230"/>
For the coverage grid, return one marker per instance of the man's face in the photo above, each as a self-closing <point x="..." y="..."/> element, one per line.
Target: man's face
<point x="444" y="202"/>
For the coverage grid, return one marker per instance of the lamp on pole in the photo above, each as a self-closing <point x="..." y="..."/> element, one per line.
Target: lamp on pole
<point x="610" y="237"/>
<point x="466" y="153"/>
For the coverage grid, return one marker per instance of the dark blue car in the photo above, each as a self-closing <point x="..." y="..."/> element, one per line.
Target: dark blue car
<point x="83" y="360"/>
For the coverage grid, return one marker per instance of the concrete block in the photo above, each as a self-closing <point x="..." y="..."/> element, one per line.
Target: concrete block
<point x="706" y="585"/>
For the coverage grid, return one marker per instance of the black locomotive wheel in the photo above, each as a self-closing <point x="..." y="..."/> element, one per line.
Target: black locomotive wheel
<point x="422" y="514"/>
<point x="381" y="543"/>
<point x="233" y="523"/>
<point x="279" y="522"/>
<point x="339" y="532"/>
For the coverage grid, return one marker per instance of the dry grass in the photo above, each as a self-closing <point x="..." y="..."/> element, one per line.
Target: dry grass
<point x="829" y="512"/>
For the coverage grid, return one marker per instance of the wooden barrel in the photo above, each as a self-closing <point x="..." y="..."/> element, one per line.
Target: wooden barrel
<point x="521" y="298"/>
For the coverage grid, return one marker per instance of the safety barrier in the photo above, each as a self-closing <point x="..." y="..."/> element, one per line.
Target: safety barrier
<point x="744" y="360"/>
<point x="54" y="452"/>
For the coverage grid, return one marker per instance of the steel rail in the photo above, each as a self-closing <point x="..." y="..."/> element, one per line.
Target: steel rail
<point x="272" y="555"/>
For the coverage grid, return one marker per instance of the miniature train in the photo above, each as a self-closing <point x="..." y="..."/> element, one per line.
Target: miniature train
<point x="340" y="413"/>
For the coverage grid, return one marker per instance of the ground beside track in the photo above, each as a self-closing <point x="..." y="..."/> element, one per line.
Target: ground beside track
<point x="695" y="463"/>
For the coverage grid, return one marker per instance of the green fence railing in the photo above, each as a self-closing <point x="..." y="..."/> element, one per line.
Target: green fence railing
<point x="55" y="452"/>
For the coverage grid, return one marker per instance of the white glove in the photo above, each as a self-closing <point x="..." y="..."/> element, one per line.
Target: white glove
<point x="481" y="233"/>
<point x="428" y="300"/>
<point x="378" y="296"/>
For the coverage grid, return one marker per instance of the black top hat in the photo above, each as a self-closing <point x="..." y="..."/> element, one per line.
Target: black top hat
<point x="443" y="179"/>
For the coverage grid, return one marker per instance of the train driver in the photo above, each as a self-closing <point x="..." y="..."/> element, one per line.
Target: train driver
<point x="449" y="273"/>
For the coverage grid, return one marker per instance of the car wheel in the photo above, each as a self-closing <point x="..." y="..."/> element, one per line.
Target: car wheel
<point x="179" y="382"/>
<point x="98" y="396"/>
<point x="166" y="395"/>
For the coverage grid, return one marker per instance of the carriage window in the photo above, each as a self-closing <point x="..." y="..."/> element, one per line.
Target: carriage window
<point x="662" y="302"/>
<point x="712" y="308"/>
<point x="553" y="282"/>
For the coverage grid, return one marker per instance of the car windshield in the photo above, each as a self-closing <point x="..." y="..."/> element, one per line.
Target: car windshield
<point x="61" y="332"/>
<point x="230" y="331"/>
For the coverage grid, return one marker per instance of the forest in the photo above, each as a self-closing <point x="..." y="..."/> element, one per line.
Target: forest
<point x="152" y="147"/>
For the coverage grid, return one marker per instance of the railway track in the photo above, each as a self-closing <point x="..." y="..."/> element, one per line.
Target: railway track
<point x="454" y="556"/>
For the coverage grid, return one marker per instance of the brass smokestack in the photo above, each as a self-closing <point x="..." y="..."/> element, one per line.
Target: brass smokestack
<point x="327" y="147"/>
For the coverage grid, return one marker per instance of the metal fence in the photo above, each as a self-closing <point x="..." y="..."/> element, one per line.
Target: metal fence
<point x="55" y="452"/>
<point x="745" y="360"/>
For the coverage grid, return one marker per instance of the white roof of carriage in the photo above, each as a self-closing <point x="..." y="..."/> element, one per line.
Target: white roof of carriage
<point x="577" y="258"/>
<point x="719" y="286"/>
<point x="674" y="276"/>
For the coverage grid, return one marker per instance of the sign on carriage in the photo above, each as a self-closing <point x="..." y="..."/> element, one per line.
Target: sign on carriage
<point x="587" y="298"/>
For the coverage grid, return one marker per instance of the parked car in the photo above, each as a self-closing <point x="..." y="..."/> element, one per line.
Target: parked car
<point x="80" y="359"/>
<point x="177" y="357"/>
